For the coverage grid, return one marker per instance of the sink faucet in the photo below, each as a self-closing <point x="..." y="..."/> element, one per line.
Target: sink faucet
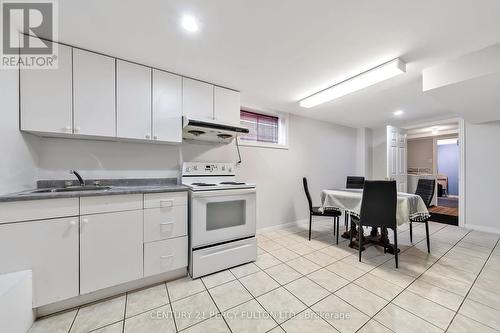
<point x="80" y="179"/>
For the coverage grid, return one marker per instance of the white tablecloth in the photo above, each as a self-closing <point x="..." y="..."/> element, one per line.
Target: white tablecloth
<point x="410" y="206"/>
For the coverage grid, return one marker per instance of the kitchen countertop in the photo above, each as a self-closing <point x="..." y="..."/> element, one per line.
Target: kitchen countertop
<point x="118" y="187"/>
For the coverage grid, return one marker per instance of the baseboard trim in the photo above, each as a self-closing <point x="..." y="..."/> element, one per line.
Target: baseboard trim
<point x="301" y="222"/>
<point x="108" y="292"/>
<point x="482" y="228"/>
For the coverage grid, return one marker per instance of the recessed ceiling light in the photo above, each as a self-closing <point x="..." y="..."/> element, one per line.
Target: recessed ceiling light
<point x="190" y="24"/>
<point x="360" y="81"/>
<point x="398" y="112"/>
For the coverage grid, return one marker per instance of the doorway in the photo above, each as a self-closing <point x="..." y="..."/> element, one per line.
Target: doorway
<point x="434" y="153"/>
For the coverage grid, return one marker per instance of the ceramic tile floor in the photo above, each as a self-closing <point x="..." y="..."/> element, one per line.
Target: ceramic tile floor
<point x="298" y="285"/>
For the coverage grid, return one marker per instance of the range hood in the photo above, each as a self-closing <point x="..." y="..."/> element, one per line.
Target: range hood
<point x="207" y="130"/>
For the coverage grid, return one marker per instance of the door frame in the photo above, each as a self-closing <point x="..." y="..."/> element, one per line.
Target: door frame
<point x="462" y="164"/>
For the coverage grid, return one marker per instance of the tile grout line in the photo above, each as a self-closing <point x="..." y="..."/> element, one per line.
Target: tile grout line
<point x="391" y="302"/>
<point x="468" y="292"/>
<point x="125" y="312"/>
<point x="217" y="306"/>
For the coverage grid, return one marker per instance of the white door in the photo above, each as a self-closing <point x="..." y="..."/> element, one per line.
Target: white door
<point x="167" y="107"/>
<point x="227" y="106"/>
<point x="197" y="99"/>
<point x="50" y="249"/>
<point x="397" y="157"/>
<point x="133" y="101"/>
<point x="218" y="216"/>
<point x="93" y="94"/>
<point x="111" y="249"/>
<point x="46" y="103"/>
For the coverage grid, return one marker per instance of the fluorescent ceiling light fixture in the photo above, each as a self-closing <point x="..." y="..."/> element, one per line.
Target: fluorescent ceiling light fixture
<point x="358" y="82"/>
<point x="190" y="24"/>
<point x="447" y="142"/>
<point x="435" y="132"/>
<point x="398" y="112"/>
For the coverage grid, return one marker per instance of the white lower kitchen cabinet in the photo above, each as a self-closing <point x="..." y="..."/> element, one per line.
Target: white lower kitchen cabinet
<point x="111" y="249"/>
<point x="164" y="223"/>
<point x="50" y="249"/>
<point x="165" y="255"/>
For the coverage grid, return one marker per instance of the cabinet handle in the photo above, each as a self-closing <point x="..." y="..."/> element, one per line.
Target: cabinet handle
<point x="77" y="129"/>
<point x="147" y="136"/>
<point x="167" y="257"/>
<point x="155" y="137"/>
<point x="72" y="222"/>
<point x="85" y="221"/>
<point x="68" y="128"/>
<point x="166" y="203"/>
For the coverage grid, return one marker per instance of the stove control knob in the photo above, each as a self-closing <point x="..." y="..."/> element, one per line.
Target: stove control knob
<point x="230" y="169"/>
<point x="223" y="168"/>
<point x="188" y="169"/>
<point x="195" y="167"/>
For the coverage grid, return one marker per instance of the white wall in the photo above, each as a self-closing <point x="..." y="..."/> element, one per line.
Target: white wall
<point x="364" y="152"/>
<point x="17" y="151"/>
<point x="379" y="153"/>
<point x="482" y="165"/>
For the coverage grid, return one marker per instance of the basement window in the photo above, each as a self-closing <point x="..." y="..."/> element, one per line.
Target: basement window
<point x="266" y="130"/>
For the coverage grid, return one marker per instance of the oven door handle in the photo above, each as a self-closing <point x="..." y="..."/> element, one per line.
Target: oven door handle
<point x="201" y="194"/>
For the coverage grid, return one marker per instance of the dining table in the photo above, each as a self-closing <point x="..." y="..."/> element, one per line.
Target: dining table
<point x="409" y="207"/>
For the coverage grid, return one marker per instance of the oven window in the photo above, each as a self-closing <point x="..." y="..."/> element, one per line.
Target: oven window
<point x="225" y="214"/>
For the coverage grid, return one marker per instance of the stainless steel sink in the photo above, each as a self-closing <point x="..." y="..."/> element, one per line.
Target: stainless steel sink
<point x="71" y="189"/>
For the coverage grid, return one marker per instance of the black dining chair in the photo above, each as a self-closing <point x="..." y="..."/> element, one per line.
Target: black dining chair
<point x="425" y="189"/>
<point x="355" y="182"/>
<point x="327" y="211"/>
<point x="378" y="209"/>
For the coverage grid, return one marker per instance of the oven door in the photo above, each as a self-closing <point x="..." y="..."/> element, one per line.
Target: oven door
<point x="222" y="215"/>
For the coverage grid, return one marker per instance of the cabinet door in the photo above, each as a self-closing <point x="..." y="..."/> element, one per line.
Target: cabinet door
<point x="46" y="102"/>
<point x="227" y="106"/>
<point x="93" y="93"/>
<point x="50" y="249"/>
<point x="197" y="99"/>
<point x="111" y="249"/>
<point x="133" y="98"/>
<point x="167" y="107"/>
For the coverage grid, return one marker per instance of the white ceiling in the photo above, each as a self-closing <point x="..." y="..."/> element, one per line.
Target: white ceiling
<point x="277" y="51"/>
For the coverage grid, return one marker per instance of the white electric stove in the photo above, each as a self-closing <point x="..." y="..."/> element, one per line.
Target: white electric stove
<point x="222" y="218"/>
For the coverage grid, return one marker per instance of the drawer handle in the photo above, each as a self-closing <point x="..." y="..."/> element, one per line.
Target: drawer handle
<point x="166" y="203"/>
<point x="167" y="257"/>
<point x="166" y="227"/>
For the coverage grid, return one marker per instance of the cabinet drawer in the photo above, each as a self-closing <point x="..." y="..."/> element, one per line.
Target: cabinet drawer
<point x="163" y="200"/>
<point x="37" y="209"/>
<point x="165" y="255"/>
<point x="164" y="223"/>
<point x="111" y="203"/>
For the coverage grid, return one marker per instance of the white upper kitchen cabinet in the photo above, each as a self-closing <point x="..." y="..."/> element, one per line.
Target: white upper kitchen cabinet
<point x="111" y="249"/>
<point x="50" y="249"/>
<point x="46" y="103"/>
<point x="133" y="100"/>
<point x="93" y="94"/>
<point x="167" y="107"/>
<point x="197" y="99"/>
<point x="227" y="106"/>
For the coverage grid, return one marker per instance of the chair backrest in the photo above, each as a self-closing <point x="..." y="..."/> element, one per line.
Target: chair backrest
<point x="425" y="189"/>
<point x="355" y="182"/>
<point x="378" y="207"/>
<point x="306" y="190"/>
